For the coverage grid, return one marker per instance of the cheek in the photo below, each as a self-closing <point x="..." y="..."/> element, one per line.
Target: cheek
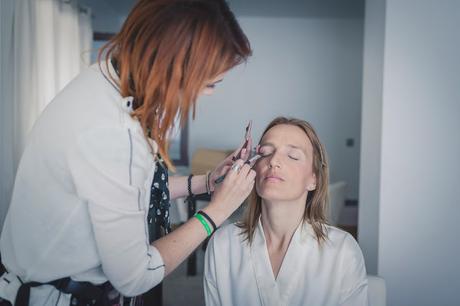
<point x="305" y="175"/>
<point x="259" y="169"/>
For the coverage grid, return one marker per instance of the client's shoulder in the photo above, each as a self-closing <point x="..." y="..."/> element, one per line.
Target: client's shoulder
<point x="228" y="234"/>
<point x="342" y="240"/>
<point x="228" y="231"/>
<point x="335" y="233"/>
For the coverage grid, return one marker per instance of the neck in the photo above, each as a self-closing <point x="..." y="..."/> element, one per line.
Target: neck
<point x="280" y="220"/>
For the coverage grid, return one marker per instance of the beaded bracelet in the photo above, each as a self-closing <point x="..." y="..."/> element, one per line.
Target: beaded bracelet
<point x="189" y="185"/>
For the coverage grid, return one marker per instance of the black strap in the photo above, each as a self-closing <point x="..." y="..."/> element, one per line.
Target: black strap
<point x="82" y="290"/>
<point x="22" y="297"/>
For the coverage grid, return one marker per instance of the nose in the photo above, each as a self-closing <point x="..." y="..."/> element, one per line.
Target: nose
<point x="274" y="161"/>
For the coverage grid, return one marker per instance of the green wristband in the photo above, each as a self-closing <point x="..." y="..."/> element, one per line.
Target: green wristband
<point x="205" y="224"/>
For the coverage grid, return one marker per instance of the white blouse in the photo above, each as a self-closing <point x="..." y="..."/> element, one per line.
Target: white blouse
<point x="82" y="191"/>
<point x="239" y="274"/>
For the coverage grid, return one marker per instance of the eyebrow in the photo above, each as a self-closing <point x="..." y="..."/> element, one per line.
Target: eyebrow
<point x="289" y="145"/>
<point x="295" y="147"/>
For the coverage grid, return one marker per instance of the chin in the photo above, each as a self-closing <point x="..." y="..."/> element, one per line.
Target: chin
<point x="279" y="195"/>
<point x="272" y="195"/>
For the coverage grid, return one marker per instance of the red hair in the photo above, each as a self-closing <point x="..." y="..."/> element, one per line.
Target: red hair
<point x="166" y="52"/>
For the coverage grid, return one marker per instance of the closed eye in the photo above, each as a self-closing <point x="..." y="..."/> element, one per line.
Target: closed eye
<point x="265" y="150"/>
<point x="292" y="157"/>
<point x="266" y="154"/>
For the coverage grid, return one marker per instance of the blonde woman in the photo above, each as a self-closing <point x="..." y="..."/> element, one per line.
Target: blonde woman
<point x="283" y="252"/>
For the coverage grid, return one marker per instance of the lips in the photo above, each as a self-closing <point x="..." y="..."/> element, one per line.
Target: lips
<point x="273" y="178"/>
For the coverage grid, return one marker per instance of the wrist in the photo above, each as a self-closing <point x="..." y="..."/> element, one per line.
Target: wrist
<point x="197" y="184"/>
<point x="217" y="214"/>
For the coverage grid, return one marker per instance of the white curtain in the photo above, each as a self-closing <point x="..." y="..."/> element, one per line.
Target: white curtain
<point x="47" y="43"/>
<point x="7" y="167"/>
<point x="86" y="36"/>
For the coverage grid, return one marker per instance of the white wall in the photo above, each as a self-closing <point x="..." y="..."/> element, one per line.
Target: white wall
<point x="371" y="129"/>
<point x="307" y="68"/>
<point x="419" y="249"/>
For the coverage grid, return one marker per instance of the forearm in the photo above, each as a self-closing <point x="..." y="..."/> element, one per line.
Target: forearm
<point x="176" y="246"/>
<point x="179" y="244"/>
<point x="178" y="186"/>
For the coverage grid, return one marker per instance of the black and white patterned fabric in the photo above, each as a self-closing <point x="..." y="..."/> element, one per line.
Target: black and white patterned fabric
<point x="158" y="215"/>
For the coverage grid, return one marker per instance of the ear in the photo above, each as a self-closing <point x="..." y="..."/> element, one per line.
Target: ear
<point x="312" y="185"/>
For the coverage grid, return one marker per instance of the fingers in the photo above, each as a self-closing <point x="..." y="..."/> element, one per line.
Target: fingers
<point x="251" y="175"/>
<point x="240" y="171"/>
<point x="245" y="170"/>
<point x="246" y="151"/>
<point x="240" y="151"/>
<point x="235" y="169"/>
<point x="224" y="169"/>
<point x="249" y="178"/>
<point x="249" y="146"/>
<point x="253" y="160"/>
<point x="243" y="174"/>
<point x="224" y="165"/>
<point x="235" y="188"/>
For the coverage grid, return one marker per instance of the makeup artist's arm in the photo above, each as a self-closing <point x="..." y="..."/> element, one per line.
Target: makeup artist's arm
<point x="178" y="185"/>
<point x="177" y="245"/>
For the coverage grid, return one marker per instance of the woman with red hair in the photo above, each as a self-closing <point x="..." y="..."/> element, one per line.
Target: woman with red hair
<point x="90" y="203"/>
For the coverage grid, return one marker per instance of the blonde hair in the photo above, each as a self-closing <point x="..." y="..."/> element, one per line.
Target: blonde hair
<point x="317" y="200"/>
<point x="166" y="51"/>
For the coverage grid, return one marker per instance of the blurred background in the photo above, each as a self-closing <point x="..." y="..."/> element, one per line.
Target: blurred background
<point x="378" y="79"/>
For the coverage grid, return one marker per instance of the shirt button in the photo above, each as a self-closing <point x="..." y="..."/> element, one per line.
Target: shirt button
<point x="127" y="104"/>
